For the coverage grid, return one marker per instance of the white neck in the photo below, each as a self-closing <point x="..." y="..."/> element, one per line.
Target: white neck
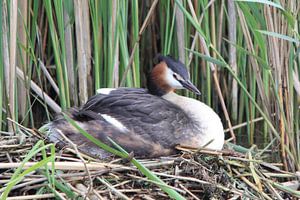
<point x="209" y="125"/>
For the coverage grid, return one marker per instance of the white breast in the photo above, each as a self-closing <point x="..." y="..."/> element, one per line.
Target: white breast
<point x="208" y="122"/>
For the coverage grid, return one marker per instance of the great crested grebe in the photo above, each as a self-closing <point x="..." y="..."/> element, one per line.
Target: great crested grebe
<point x="149" y="123"/>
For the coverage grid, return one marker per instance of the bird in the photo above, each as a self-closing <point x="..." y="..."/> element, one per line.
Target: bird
<point x="148" y="122"/>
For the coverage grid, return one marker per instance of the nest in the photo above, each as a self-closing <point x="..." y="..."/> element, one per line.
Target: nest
<point x="195" y="174"/>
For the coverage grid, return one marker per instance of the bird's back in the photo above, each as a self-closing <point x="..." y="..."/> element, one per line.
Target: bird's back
<point x="140" y="122"/>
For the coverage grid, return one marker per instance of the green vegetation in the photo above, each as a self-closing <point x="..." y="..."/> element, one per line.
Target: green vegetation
<point x="243" y="55"/>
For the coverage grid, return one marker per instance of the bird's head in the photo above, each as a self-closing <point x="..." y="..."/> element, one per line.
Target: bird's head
<point x="169" y="74"/>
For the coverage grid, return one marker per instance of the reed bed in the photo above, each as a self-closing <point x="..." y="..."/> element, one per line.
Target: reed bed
<point x="243" y="55"/>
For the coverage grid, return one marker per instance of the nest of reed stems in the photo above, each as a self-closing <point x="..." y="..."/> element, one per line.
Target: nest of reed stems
<point x="195" y="174"/>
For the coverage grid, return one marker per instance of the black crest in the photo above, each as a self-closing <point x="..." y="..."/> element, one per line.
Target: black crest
<point x="175" y="65"/>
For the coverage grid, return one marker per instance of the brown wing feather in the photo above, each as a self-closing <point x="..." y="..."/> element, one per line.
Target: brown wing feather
<point x="155" y="125"/>
<point x="146" y="115"/>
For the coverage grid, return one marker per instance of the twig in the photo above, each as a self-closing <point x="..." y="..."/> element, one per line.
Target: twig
<point x="37" y="196"/>
<point x="61" y="165"/>
<point x="51" y="103"/>
<point x="113" y="189"/>
<point x="246" y="123"/>
<point x="48" y="76"/>
<point x="189" y="192"/>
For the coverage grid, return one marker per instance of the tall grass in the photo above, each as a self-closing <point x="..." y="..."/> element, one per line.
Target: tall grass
<point x="2" y="97"/>
<point x="86" y="45"/>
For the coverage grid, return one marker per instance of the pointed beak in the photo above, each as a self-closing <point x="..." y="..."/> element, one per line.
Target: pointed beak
<point x="188" y="85"/>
